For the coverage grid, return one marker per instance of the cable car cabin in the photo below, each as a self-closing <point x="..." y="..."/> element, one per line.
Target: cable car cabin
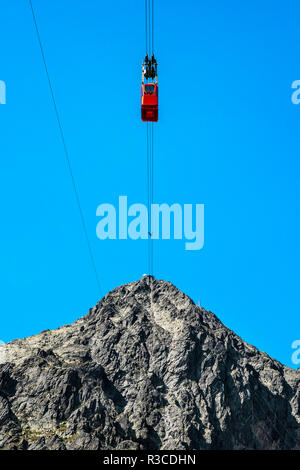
<point x="150" y="102"/>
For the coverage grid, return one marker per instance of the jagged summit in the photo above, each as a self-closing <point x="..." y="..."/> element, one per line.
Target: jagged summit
<point x="145" y="369"/>
<point x="151" y="294"/>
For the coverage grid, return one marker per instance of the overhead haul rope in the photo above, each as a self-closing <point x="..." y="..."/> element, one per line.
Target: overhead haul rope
<point x="152" y="26"/>
<point x="93" y="263"/>
<point x="150" y="192"/>
<point x="149" y="23"/>
<point x="146" y="24"/>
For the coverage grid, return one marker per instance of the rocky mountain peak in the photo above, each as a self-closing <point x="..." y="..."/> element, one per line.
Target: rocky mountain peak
<point x="146" y="369"/>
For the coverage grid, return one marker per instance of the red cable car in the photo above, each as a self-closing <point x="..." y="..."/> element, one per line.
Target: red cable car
<point x="150" y="102"/>
<point x="149" y="90"/>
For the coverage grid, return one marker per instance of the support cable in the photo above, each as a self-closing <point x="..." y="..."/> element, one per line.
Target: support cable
<point x="152" y="26"/>
<point x="93" y="263"/>
<point x="151" y="198"/>
<point x="149" y="17"/>
<point x="149" y="192"/>
<point x="146" y="24"/>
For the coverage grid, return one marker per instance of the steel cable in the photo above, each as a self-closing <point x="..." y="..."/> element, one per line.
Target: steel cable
<point x="93" y="263"/>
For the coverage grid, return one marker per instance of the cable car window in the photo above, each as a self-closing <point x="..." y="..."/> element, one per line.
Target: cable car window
<point x="149" y="89"/>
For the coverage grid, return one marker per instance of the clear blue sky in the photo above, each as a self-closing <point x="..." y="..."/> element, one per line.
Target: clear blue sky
<point x="228" y="137"/>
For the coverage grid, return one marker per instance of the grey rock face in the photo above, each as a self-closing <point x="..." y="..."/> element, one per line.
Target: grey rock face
<point x="146" y="369"/>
